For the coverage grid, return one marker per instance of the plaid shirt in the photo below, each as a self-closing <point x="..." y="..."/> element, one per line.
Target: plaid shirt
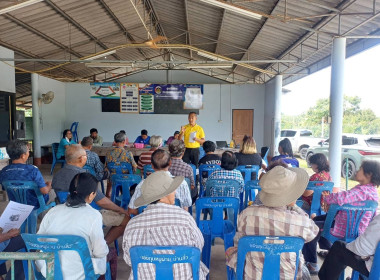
<point x="269" y="221"/>
<point x="120" y="155"/>
<point x="181" y="168"/>
<point x="353" y="196"/>
<point x="163" y="225"/>
<point x="94" y="161"/>
<point x="227" y="174"/>
<point x="182" y="193"/>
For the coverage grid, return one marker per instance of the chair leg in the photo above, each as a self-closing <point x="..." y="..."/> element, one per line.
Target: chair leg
<point x="206" y="252"/>
<point x="52" y="168"/>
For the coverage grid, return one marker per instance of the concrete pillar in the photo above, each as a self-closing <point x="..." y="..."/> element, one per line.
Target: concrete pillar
<point x="277" y="113"/>
<point x="336" y="109"/>
<point x="36" y="122"/>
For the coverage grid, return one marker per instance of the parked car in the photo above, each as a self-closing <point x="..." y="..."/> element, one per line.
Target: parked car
<point x="301" y="140"/>
<point x="355" y="148"/>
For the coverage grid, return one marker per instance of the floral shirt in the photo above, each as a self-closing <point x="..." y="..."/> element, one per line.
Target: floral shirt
<point x="321" y="176"/>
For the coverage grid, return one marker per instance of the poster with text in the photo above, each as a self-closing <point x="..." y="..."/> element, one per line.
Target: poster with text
<point x="105" y="90"/>
<point x="129" y="98"/>
<point x="193" y="96"/>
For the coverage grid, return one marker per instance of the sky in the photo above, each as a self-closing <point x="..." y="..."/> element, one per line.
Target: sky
<point x="362" y="78"/>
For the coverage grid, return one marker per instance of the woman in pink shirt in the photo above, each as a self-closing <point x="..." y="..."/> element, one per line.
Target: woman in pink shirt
<point x="368" y="178"/>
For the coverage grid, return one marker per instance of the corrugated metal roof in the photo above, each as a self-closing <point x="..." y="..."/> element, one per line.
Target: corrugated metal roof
<point x="297" y="30"/>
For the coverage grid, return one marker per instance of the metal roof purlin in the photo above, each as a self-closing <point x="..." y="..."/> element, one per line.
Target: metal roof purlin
<point x="220" y="31"/>
<point x="188" y="27"/>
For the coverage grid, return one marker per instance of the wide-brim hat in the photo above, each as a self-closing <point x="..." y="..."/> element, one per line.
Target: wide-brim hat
<point x="156" y="186"/>
<point x="282" y="186"/>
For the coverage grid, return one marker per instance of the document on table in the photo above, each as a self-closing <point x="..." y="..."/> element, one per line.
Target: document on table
<point x="192" y="136"/>
<point x="14" y="215"/>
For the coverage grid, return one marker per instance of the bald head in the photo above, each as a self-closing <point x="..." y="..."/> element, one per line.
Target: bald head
<point x="76" y="155"/>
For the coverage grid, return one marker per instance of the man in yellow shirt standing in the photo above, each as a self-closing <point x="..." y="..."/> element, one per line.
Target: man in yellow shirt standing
<point x="194" y="137"/>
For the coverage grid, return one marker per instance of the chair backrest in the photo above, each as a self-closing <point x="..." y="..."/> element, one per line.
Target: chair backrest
<point x="249" y="172"/>
<point x="123" y="181"/>
<point x="56" y="243"/>
<point x="217" y="204"/>
<point x="89" y="169"/>
<point x="374" y="274"/>
<point x="194" y="171"/>
<point x="148" y="169"/>
<point x="119" y="167"/>
<point x="73" y="129"/>
<point x="205" y="171"/>
<point x="318" y="187"/>
<point x="250" y="191"/>
<point x="163" y="260"/>
<point x="54" y="150"/>
<point x="272" y="246"/>
<point x="354" y="213"/>
<point x="62" y="196"/>
<point x="222" y="187"/>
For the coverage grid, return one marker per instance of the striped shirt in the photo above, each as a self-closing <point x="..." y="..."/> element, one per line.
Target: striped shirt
<point x="182" y="193"/>
<point x="181" y="168"/>
<point x="353" y="196"/>
<point x="163" y="225"/>
<point x="227" y="174"/>
<point x="145" y="158"/>
<point x="270" y="221"/>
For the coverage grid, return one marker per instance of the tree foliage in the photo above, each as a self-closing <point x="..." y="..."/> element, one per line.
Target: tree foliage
<point x="355" y="119"/>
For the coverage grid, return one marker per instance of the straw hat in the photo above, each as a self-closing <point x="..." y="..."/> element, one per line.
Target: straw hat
<point x="282" y="186"/>
<point x="156" y="186"/>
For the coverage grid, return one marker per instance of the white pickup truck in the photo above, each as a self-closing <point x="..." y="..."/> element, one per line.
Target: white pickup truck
<point x="301" y="140"/>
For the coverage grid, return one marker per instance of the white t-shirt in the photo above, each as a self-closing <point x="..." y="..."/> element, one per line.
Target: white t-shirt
<point x="83" y="221"/>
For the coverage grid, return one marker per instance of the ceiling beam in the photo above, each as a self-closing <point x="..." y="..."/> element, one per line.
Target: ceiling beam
<point x="121" y="26"/>
<point x="188" y="37"/>
<point x="220" y="30"/>
<point x="42" y="35"/>
<point x="77" y="25"/>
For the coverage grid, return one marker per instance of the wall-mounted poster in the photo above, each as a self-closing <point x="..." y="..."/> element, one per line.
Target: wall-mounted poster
<point x="129" y="98"/>
<point x="105" y="90"/>
<point x="193" y="97"/>
<point x="146" y="103"/>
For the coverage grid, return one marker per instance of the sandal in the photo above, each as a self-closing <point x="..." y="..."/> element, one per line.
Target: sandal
<point x="323" y="253"/>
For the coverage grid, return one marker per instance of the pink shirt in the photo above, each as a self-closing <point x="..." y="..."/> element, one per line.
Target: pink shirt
<point x="353" y="196"/>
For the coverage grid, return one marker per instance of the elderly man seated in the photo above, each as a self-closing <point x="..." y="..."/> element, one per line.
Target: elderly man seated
<point x="118" y="155"/>
<point x="98" y="140"/>
<point x="161" y="162"/>
<point x="93" y="159"/>
<point x="117" y="217"/>
<point x="228" y="171"/>
<point x="276" y="215"/>
<point x="146" y="158"/>
<point x="179" y="167"/>
<point x="18" y="152"/>
<point x="162" y="224"/>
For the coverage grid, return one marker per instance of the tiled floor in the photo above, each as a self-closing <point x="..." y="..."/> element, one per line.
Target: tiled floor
<point x="217" y="267"/>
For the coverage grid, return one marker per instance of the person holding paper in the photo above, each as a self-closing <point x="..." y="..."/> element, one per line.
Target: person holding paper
<point x="194" y="137"/>
<point x="18" y="152"/>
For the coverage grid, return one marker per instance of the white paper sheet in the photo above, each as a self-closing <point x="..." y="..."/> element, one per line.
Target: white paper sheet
<point x="192" y="136"/>
<point x="14" y="215"/>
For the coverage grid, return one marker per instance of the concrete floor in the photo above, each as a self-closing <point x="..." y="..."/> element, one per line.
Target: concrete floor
<point x="217" y="267"/>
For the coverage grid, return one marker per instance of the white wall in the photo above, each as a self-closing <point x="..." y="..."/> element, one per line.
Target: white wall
<point x="7" y="73"/>
<point x="53" y="115"/>
<point x="80" y="107"/>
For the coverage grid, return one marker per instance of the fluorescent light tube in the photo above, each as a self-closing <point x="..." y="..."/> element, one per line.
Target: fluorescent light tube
<point x="210" y="56"/>
<point x="233" y="8"/>
<point x="107" y="64"/>
<point x="101" y="55"/>
<point x="19" y="6"/>
<point x="207" y="66"/>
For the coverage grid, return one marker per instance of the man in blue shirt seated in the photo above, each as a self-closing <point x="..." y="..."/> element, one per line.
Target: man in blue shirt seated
<point x="18" y="152"/>
<point x="143" y="138"/>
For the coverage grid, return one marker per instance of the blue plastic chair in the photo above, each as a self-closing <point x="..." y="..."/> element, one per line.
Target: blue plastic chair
<point x="205" y="171"/>
<point x="74" y="131"/>
<point x="148" y="169"/>
<point x="217" y="226"/>
<point x="54" y="150"/>
<point x="123" y="182"/>
<point x="355" y="214"/>
<point x="92" y="171"/>
<point x="20" y="190"/>
<point x="62" y="196"/>
<point x="250" y="191"/>
<point x="120" y="167"/>
<point x="190" y="209"/>
<point x="249" y="172"/>
<point x="163" y="260"/>
<point x="201" y="152"/>
<point x="56" y="243"/>
<point x="271" y="269"/>
<point x="374" y="274"/>
<point x="222" y="187"/>
<point x="318" y="187"/>
<point x="194" y="172"/>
